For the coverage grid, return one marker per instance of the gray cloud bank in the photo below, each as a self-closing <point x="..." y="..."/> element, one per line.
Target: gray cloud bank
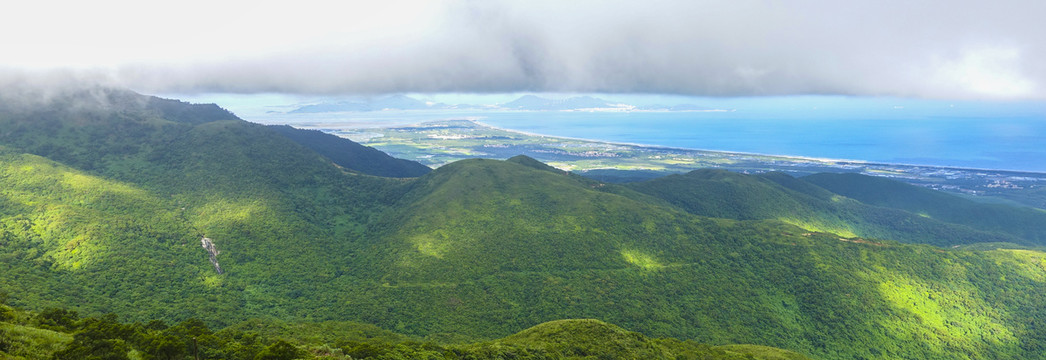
<point x="932" y="49"/>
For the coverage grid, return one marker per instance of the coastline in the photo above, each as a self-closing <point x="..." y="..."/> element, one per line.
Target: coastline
<point x="741" y="153"/>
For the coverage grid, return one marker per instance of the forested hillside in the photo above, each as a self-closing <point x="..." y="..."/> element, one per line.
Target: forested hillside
<point x="778" y="196"/>
<point x="1027" y="223"/>
<point x="351" y="155"/>
<point x="106" y="198"/>
<point x="120" y="215"/>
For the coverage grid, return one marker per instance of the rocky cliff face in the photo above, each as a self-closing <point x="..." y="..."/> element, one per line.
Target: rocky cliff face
<point x="212" y="252"/>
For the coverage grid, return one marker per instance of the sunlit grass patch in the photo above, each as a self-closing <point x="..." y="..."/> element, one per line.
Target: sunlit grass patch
<point x="808" y="226"/>
<point x="640" y="259"/>
<point x="948" y="317"/>
<point x="226" y="211"/>
<point x="33" y="343"/>
<point x="430" y="244"/>
<point x="1028" y="263"/>
<point x="213" y="281"/>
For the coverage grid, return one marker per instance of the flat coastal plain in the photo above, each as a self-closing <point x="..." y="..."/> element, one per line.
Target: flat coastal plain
<point x="435" y="143"/>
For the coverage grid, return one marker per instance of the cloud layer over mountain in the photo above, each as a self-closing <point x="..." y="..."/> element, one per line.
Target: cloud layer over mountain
<point x="954" y="49"/>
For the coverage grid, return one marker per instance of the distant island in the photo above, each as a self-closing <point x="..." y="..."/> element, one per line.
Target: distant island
<point x="523" y="103"/>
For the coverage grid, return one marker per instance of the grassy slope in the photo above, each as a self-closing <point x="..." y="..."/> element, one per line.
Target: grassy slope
<point x="720" y="193"/>
<point x="28" y="342"/>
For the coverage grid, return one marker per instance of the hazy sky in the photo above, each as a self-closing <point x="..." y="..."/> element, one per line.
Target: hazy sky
<point x="933" y="49"/>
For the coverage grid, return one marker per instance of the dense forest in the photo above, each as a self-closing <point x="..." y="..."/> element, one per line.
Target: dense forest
<point x="56" y="333"/>
<point x="850" y="205"/>
<point x="106" y="197"/>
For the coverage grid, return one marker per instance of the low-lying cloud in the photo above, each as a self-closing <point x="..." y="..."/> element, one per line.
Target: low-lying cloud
<point x="956" y="49"/>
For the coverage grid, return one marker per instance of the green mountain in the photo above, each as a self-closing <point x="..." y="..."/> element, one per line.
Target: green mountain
<point x="1026" y="223"/>
<point x="487" y="245"/>
<point x="118" y="219"/>
<point x="351" y="155"/>
<point x="778" y="196"/>
<point x="106" y="198"/>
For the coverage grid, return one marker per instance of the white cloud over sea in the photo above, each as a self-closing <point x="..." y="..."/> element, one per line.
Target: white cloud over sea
<point x="930" y="49"/>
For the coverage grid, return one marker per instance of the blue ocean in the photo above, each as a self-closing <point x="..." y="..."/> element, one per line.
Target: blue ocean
<point x="1007" y="143"/>
<point x="969" y="134"/>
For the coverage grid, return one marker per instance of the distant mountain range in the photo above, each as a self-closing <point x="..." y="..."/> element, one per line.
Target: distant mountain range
<point x="588" y="103"/>
<point x="532" y="102"/>
<point x="395" y="102"/>
<point x="525" y="103"/>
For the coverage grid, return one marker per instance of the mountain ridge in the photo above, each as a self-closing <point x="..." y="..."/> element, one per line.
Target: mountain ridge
<point x="351" y="155"/>
<point x="1022" y="222"/>
<point x="720" y="193"/>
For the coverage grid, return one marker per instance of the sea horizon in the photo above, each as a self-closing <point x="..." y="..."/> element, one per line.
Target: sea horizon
<point x="1007" y="143"/>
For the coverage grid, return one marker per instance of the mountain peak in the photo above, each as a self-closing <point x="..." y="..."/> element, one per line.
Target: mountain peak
<point x="533" y="163"/>
<point x="96" y="101"/>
